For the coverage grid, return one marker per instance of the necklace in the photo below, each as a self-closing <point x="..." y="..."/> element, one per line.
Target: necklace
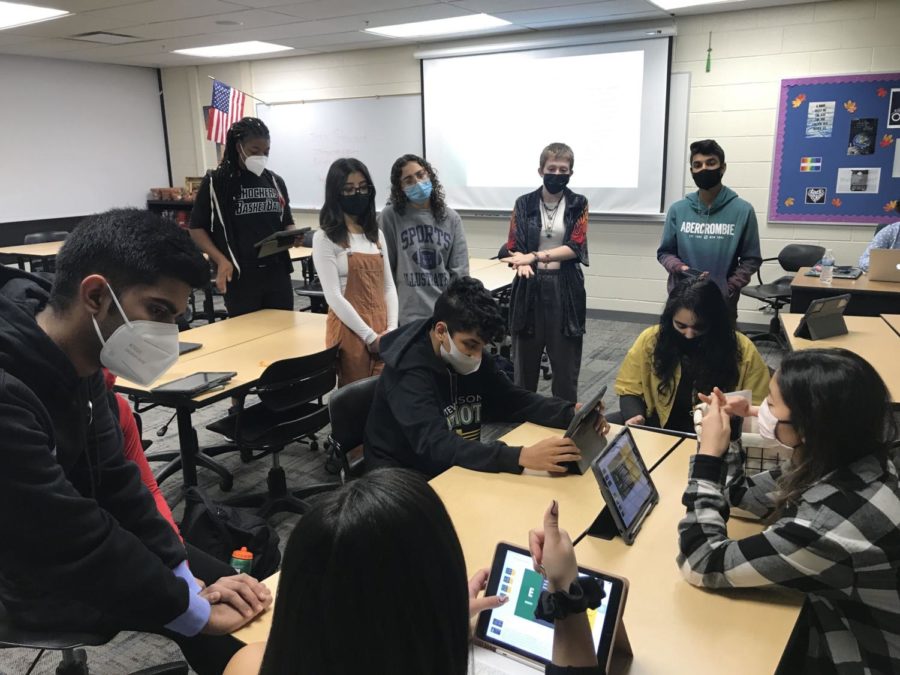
<point x="549" y="216"/>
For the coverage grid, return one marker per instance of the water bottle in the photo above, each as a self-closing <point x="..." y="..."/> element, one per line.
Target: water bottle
<point x="827" y="273"/>
<point x="242" y="560"/>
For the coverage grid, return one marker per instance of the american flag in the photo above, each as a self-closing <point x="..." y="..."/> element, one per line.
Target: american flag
<point x="227" y="108"/>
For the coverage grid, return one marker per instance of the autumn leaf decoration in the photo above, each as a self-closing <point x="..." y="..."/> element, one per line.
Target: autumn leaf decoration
<point x="789" y="201"/>
<point x="882" y="92"/>
<point x="798" y="101"/>
<point x="886" y="140"/>
<point x="836" y="202"/>
<point x="890" y="206"/>
<point x="850" y="106"/>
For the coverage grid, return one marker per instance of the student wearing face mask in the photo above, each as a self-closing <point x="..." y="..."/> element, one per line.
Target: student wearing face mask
<point x="85" y="548"/>
<point x="548" y="245"/>
<point x="238" y="204"/>
<point x="691" y="350"/>
<point x="349" y="255"/>
<point x="711" y="231"/>
<point x="425" y="238"/>
<point x="833" y="511"/>
<point x="439" y="386"/>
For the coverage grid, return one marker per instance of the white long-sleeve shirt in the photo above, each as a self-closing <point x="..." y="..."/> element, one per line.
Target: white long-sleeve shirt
<point x="330" y="260"/>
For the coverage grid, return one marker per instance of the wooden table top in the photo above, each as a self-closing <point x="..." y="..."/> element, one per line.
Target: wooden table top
<point x="893" y="320"/>
<point x="247" y="355"/>
<point x="230" y="332"/>
<point x="481" y="263"/>
<point x="47" y="249"/>
<point x="869" y="336"/>
<point x="491" y="507"/>
<point x="300" y="252"/>
<point x="673" y="626"/>
<point x="860" y="285"/>
<point x="494" y="277"/>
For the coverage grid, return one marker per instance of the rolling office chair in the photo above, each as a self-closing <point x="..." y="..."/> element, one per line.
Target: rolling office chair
<point x="778" y="293"/>
<point x="310" y="287"/>
<point x="74" y="657"/>
<point x="348" y="408"/>
<point x="291" y="407"/>
<point x="44" y="264"/>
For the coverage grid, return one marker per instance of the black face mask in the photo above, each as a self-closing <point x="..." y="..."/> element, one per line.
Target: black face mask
<point x="555" y="182"/>
<point x="708" y="178"/>
<point x="355" y="205"/>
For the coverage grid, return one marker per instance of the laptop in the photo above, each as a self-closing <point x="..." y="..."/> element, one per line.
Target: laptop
<point x="884" y="265"/>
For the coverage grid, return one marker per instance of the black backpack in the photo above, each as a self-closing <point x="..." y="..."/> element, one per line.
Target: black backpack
<point x="218" y="530"/>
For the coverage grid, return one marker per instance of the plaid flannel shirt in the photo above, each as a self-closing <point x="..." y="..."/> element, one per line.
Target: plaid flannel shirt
<point x="840" y="545"/>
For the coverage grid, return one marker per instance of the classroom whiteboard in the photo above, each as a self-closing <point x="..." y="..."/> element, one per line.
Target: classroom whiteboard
<point x="308" y="137"/>
<point x="78" y="138"/>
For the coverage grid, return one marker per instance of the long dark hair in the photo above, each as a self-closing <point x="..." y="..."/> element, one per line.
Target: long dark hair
<point x="399" y="200"/>
<point x="373" y="581"/>
<point x="716" y="355"/>
<point x="840" y="408"/>
<point x="331" y="216"/>
<point x="242" y="130"/>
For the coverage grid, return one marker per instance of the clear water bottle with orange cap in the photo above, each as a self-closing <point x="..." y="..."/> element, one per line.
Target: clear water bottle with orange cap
<point x="242" y="560"/>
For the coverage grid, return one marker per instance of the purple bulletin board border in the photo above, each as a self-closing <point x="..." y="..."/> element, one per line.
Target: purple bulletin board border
<point x="775" y="215"/>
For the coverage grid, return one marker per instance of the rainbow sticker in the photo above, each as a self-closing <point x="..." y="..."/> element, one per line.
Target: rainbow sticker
<point x="810" y="164"/>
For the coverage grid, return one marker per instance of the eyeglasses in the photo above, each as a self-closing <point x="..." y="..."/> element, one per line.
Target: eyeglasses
<point x="412" y="179"/>
<point x="349" y="190"/>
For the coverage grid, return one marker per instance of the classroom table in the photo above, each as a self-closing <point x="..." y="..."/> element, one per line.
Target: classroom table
<point x="869" y="336"/>
<point x="496" y="278"/>
<point x="30" y="252"/>
<point x="674" y="627"/>
<point x="491" y="507"/>
<point x="300" y="252"/>
<point x="246" y="345"/>
<point x="893" y="320"/>
<point x="867" y="298"/>
<point x="481" y="263"/>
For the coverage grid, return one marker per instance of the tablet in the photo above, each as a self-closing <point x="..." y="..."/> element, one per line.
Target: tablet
<point x="185" y="347"/>
<point x="582" y="432"/>
<point x="824" y="318"/>
<point x="625" y="484"/>
<point x="195" y="384"/>
<point x="278" y="242"/>
<point x="511" y="629"/>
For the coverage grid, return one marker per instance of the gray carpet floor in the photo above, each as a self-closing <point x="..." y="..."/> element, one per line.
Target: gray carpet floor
<point x="605" y="345"/>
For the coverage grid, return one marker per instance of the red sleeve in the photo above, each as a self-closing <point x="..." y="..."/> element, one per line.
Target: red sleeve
<point x="134" y="451"/>
<point x="511" y="239"/>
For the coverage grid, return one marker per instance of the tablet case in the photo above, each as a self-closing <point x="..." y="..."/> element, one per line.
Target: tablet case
<point x="587" y="440"/>
<point x="824" y="318"/>
<point x="278" y="242"/>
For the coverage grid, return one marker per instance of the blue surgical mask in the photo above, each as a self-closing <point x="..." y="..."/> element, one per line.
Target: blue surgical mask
<point x="418" y="193"/>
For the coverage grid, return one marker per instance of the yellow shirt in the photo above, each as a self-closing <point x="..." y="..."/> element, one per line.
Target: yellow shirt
<point x="636" y="377"/>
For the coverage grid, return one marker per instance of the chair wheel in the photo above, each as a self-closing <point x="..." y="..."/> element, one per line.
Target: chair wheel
<point x="314" y="446"/>
<point x="548" y="374"/>
<point x="225" y="484"/>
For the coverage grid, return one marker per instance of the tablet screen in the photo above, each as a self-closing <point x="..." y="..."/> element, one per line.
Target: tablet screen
<point x="625" y="476"/>
<point x="513" y="624"/>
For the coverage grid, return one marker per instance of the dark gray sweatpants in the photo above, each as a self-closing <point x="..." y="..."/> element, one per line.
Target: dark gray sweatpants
<point x="564" y="352"/>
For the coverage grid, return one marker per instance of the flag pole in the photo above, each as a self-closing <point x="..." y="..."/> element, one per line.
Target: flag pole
<point x="245" y="93"/>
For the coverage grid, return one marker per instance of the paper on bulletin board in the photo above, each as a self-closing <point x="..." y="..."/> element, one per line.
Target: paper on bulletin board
<point x="893" y="120"/>
<point x="858" y="180"/>
<point x="820" y="119"/>
<point x="896" y="172"/>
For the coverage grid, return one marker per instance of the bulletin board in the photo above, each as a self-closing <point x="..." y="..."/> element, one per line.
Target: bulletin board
<point x="836" y="156"/>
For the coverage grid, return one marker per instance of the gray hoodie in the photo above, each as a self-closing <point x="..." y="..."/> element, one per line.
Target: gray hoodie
<point x="425" y="257"/>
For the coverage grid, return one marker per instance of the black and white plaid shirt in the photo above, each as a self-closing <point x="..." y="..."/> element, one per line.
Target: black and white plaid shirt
<point x="840" y="545"/>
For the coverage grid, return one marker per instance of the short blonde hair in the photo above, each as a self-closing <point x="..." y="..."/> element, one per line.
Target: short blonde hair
<point x="558" y="151"/>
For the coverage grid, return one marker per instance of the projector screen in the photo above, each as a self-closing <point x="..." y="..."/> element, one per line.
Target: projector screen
<point x="487" y="117"/>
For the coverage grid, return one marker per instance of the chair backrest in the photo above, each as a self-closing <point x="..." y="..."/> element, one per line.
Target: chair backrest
<point x="795" y="256"/>
<point x="292" y="382"/>
<point x="348" y="408"/>
<point x="43" y="237"/>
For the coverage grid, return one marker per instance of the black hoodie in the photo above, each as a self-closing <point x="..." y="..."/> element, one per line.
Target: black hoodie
<point x="427" y="417"/>
<point x="82" y="546"/>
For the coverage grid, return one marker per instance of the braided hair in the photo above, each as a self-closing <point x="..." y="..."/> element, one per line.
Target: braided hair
<point x="399" y="200"/>
<point x="242" y="130"/>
